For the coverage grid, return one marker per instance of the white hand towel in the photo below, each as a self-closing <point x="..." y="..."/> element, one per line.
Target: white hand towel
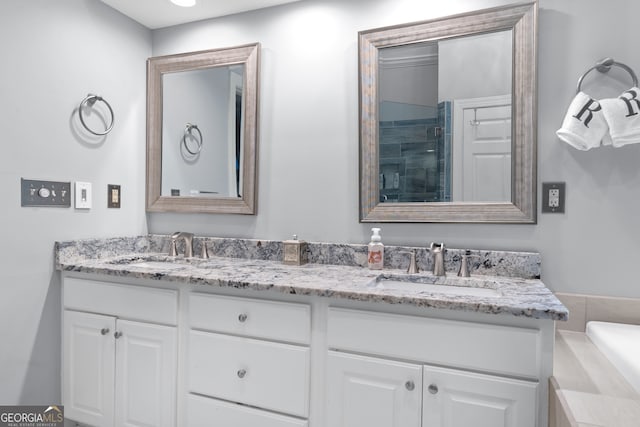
<point x="623" y="117"/>
<point x="584" y="125"/>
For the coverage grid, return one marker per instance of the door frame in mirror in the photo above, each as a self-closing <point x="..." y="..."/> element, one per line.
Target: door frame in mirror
<point x="247" y="55"/>
<point x="522" y="20"/>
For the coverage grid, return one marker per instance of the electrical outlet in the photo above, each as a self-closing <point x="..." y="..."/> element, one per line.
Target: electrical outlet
<point x="83" y="195"/>
<point x="553" y="195"/>
<point x="113" y="196"/>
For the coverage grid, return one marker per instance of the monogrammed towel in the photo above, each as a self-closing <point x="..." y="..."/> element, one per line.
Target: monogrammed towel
<point x="623" y="117"/>
<point x="584" y="126"/>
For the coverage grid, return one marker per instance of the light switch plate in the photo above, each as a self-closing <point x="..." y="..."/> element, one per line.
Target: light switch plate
<point x="83" y="195"/>
<point x="45" y="193"/>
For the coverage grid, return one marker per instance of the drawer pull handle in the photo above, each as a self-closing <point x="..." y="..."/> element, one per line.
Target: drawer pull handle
<point x="104" y="331"/>
<point x="242" y="373"/>
<point x="410" y="385"/>
<point x="242" y="318"/>
<point x="433" y="389"/>
<point x="117" y="334"/>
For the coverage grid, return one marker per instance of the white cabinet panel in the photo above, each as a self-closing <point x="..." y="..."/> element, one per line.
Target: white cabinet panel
<point x="122" y="300"/>
<point x="89" y="364"/>
<point x="461" y="399"/>
<point x="146" y="360"/>
<point x="498" y="349"/>
<point x="251" y="317"/>
<point x="365" y="391"/>
<point x="259" y="373"/>
<point x="207" y="412"/>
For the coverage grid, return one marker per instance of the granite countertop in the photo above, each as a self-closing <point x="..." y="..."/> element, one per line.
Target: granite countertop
<point x="516" y="296"/>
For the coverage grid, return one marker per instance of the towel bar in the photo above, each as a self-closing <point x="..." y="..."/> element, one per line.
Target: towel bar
<point x="90" y="100"/>
<point x="603" y="66"/>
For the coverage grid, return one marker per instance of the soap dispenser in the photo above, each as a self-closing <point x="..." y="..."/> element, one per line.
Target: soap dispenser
<point x="376" y="251"/>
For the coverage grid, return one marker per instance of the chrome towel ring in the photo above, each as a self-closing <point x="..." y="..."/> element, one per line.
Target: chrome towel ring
<point x="90" y="100"/>
<point x="603" y="66"/>
<point x="188" y="132"/>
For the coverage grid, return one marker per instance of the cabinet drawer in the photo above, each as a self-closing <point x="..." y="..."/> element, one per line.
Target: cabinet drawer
<point x="259" y="373"/>
<point x="206" y="412"/>
<point x="120" y="300"/>
<point x="251" y="317"/>
<point x="504" y="350"/>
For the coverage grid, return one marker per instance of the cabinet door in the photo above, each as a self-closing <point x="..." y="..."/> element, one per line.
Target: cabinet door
<point x="455" y="398"/>
<point x="365" y="391"/>
<point x="89" y="364"/>
<point x="146" y="360"/>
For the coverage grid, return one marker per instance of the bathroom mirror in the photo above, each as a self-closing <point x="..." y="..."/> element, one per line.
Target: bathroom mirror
<point x="202" y="131"/>
<point x="448" y="119"/>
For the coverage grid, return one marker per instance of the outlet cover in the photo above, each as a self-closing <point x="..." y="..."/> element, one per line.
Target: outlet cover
<point x="83" y="195"/>
<point x="553" y="195"/>
<point x="113" y="196"/>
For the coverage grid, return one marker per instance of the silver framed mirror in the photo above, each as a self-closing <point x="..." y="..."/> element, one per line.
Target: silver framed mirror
<point x="202" y="131"/>
<point x="417" y="164"/>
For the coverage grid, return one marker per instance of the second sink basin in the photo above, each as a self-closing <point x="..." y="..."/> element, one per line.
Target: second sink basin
<point x="435" y="285"/>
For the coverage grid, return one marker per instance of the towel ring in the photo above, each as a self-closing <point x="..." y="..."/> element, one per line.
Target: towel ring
<point x="603" y="66"/>
<point x="90" y="100"/>
<point x="188" y="132"/>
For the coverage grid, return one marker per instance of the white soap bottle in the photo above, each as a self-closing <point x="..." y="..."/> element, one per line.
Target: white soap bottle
<point x="376" y="250"/>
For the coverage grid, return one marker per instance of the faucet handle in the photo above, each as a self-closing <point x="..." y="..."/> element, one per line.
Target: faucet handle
<point x="464" y="263"/>
<point x="204" y="254"/>
<point x="173" y="250"/>
<point x="413" y="265"/>
<point x="436" y="247"/>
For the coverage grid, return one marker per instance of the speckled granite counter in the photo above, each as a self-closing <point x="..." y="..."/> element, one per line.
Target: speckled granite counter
<point x="336" y="272"/>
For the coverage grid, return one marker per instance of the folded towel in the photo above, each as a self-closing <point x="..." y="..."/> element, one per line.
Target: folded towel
<point x="623" y="117"/>
<point x="584" y="125"/>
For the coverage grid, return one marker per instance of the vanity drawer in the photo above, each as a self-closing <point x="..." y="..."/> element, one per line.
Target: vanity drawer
<point x="205" y="412"/>
<point x="505" y="350"/>
<point x="259" y="373"/>
<point x="120" y="300"/>
<point x="251" y="317"/>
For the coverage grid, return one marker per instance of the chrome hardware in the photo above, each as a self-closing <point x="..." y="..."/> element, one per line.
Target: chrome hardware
<point x="189" y="134"/>
<point x="242" y="318"/>
<point x="204" y="252"/>
<point x="433" y="389"/>
<point x="437" y="250"/>
<point x="89" y="100"/>
<point x="241" y="373"/>
<point x="410" y="385"/>
<point x="188" y="243"/>
<point x="117" y="334"/>
<point x="104" y="331"/>
<point x="413" y="265"/>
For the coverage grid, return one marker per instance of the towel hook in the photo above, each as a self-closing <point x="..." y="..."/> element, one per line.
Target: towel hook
<point x="603" y="66"/>
<point x="90" y="100"/>
<point x="188" y="132"/>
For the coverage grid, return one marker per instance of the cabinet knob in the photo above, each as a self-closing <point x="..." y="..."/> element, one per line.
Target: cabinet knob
<point x="433" y="389"/>
<point x="410" y="385"/>
<point x="242" y="373"/>
<point x="104" y="331"/>
<point x="117" y="334"/>
<point x="242" y="318"/>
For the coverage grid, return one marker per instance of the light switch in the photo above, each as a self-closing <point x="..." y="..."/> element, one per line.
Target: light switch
<point x="83" y="195"/>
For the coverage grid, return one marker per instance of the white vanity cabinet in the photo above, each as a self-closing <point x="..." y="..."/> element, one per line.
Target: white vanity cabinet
<point x="244" y="351"/>
<point x="119" y="354"/>
<point x="386" y="390"/>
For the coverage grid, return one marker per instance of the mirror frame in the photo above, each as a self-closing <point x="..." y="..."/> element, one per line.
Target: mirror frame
<point x="249" y="56"/>
<point x="522" y="20"/>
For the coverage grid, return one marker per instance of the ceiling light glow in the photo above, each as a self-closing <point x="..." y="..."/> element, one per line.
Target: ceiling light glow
<point x="184" y="3"/>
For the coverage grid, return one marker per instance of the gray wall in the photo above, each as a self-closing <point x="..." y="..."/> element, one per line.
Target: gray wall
<point x="54" y="53"/>
<point x="309" y="135"/>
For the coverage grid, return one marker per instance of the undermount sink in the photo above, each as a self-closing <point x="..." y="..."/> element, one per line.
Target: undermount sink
<point x="165" y="265"/>
<point x="435" y="285"/>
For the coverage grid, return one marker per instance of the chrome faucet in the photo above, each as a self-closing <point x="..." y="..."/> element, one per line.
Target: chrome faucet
<point x="437" y="250"/>
<point x="188" y="243"/>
